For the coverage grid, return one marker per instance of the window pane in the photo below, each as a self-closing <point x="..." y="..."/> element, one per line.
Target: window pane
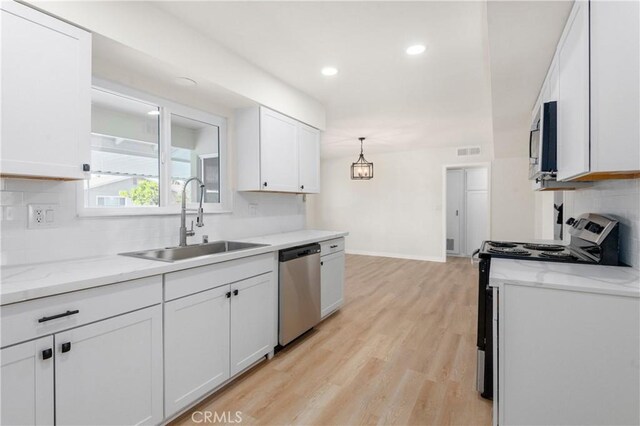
<point x="194" y="152"/>
<point x="124" y="152"/>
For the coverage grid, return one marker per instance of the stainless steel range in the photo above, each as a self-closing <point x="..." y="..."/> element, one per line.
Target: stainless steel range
<point x="594" y="241"/>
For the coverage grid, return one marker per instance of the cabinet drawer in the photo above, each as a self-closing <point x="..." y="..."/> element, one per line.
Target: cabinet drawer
<point x="28" y="320"/>
<point x="190" y="281"/>
<point x="331" y="246"/>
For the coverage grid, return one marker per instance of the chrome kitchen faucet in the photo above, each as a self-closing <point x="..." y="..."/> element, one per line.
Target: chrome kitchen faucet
<point x="184" y="233"/>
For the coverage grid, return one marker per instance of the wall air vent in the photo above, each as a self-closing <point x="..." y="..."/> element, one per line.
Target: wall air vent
<point x="468" y="150"/>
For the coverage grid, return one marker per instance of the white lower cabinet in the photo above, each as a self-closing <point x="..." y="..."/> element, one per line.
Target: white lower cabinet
<point x="213" y="335"/>
<point x="566" y="366"/>
<point x="196" y="346"/>
<point x="331" y="282"/>
<point x="27" y="383"/>
<point x="110" y="372"/>
<point x="252" y="312"/>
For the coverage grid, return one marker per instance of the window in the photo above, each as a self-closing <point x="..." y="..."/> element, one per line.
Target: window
<point x="125" y="141"/>
<point x="143" y="150"/>
<point x="192" y="142"/>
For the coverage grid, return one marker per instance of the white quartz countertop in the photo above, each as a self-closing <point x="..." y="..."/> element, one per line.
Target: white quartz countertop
<point x="24" y="282"/>
<point x="615" y="280"/>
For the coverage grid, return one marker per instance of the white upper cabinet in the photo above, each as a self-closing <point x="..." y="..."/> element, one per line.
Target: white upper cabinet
<point x="276" y="153"/>
<point x="615" y="86"/>
<point x="46" y="95"/>
<point x="597" y="64"/>
<point x="309" y="155"/>
<point x="573" y="102"/>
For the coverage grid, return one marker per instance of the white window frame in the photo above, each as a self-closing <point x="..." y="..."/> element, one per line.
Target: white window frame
<point x="167" y="205"/>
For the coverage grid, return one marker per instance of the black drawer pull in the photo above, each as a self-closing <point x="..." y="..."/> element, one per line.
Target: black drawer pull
<point x="235" y="292"/>
<point x="333" y="246"/>
<point x="52" y="317"/>
<point x="66" y="347"/>
<point x="47" y="353"/>
<point x="228" y="294"/>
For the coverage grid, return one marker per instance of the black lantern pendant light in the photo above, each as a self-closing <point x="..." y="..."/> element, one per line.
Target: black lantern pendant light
<point x="361" y="169"/>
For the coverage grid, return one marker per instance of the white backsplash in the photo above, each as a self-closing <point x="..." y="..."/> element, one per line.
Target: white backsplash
<point x="75" y="237"/>
<point x="619" y="199"/>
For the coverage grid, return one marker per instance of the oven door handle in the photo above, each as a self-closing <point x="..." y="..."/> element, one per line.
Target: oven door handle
<point x="474" y="258"/>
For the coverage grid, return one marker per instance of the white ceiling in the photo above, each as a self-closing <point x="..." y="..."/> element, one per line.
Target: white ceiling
<point x="399" y="102"/>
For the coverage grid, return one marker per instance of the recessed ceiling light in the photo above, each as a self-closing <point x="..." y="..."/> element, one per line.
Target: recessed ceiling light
<point x="184" y="81"/>
<point x="154" y="112"/>
<point x="416" y="49"/>
<point x="329" y="71"/>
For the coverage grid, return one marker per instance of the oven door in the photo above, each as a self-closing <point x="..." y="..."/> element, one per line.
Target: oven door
<point x="484" y="372"/>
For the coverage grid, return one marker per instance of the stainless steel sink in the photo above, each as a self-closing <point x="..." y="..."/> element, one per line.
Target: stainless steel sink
<point x="171" y="254"/>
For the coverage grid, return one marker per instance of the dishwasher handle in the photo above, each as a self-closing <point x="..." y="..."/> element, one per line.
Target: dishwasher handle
<point x="298" y="252"/>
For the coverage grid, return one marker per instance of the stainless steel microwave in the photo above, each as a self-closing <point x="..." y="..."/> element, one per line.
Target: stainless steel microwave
<point x="543" y="143"/>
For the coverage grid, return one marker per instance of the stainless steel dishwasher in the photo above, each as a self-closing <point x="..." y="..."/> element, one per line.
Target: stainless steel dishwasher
<point x="299" y="291"/>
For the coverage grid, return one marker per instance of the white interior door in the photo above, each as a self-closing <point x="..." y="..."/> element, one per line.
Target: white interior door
<point x="455" y="205"/>
<point x="477" y="229"/>
<point x="476" y="217"/>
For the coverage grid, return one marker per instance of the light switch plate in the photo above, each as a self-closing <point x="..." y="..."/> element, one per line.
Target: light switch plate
<point x="42" y="216"/>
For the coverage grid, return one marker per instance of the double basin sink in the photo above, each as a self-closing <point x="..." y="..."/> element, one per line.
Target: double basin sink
<point x="171" y="254"/>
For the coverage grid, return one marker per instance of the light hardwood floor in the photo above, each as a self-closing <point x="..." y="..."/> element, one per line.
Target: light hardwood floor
<point x="400" y="351"/>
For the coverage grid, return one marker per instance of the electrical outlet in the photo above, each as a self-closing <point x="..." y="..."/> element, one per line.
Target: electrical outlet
<point x="253" y="209"/>
<point x="42" y="216"/>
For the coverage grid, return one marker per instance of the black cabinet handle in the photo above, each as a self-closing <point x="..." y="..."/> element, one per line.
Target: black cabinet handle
<point x="321" y="263"/>
<point x="47" y="353"/>
<point x="228" y="294"/>
<point x="52" y="317"/>
<point x="301" y="186"/>
<point x="333" y="246"/>
<point x="86" y="167"/>
<point x="66" y="347"/>
<point x="265" y="184"/>
<point x="235" y="292"/>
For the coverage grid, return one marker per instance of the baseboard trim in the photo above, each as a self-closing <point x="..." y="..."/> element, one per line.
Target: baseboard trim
<point x="397" y="255"/>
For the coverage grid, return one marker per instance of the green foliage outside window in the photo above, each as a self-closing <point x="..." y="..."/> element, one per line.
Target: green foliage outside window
<point x="146" y="193"/>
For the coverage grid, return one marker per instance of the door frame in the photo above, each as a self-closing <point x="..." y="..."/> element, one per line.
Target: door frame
<point x="487" y="165"/>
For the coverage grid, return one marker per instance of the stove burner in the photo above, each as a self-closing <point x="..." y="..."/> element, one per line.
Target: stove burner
<point x="502" y="244"/>
<point x="510" y="250"/>
<point x="564" y="255"/>
<point x="544" y="247"/>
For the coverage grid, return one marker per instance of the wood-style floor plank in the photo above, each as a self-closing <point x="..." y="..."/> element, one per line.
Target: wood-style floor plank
<point x="401" y="351"/>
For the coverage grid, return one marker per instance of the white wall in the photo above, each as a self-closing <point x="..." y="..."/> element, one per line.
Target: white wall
<point x="146" y="28"/>
<point x="544" y="215"/>
<point x="619" y="199"/>
<point x="398" y="213"/>
<point x="512" y="200"/>
<point x="85" y="237"/>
